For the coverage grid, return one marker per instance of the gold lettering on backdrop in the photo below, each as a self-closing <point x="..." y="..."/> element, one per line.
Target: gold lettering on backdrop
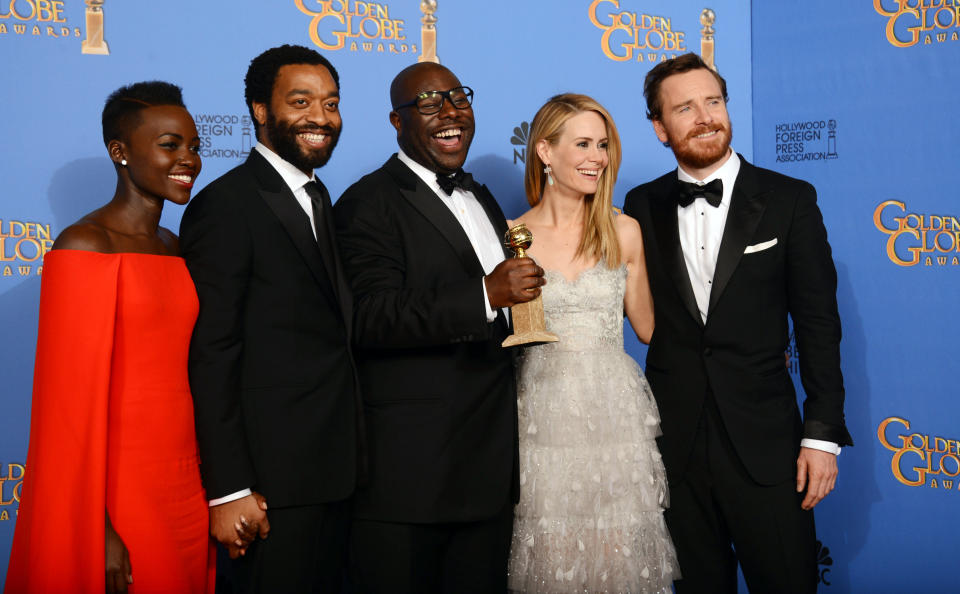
<point x="23" y="244"/>
<point x="909" y="20"/>
<point x="334" y="22"/>
<point x="915" y="237"/>
<point x="920" y="456"/>
<point x="628" y="35"/>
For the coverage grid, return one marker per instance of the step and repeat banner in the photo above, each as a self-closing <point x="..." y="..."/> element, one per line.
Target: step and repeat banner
<point x="854" y="99"/>
<point x="857" y="98"/>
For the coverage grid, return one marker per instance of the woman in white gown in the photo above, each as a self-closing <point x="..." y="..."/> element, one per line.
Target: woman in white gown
<point x="592" y="484"/>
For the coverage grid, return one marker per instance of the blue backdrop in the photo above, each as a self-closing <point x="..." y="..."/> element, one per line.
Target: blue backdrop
<point x="854" y="98"/>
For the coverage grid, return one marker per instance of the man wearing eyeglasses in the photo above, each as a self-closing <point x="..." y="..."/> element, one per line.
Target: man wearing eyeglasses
<point x="421" y="246"/>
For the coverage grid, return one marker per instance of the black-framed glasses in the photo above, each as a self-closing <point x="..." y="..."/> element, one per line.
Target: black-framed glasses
<point x="431" y="102"/>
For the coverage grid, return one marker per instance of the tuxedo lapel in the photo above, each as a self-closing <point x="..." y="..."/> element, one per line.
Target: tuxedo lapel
<point x="663" y="213"/>
<point x="747" y="205"/>
<point x="434" y="210"/>
<point x="294" y="220"/>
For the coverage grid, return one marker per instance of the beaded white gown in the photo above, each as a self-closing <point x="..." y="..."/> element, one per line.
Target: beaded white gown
<point x="592" y="483"/>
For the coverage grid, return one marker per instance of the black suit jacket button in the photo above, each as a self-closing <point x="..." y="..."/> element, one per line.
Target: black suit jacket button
<point x="707" y="352"/>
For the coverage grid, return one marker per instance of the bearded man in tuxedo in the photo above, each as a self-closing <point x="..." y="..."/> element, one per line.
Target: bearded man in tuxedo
<point x="733" y="250"/>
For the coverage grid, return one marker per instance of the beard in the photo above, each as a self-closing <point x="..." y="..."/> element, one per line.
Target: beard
<point x="284" y="139"/>
<point x="705" y="154"/>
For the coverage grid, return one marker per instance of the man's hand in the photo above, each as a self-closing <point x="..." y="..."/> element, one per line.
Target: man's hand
<point x="513" y="281"/>
<point x="237" y="523"/>
<point x="817" y="472"/>
<point x="119" y="573"/>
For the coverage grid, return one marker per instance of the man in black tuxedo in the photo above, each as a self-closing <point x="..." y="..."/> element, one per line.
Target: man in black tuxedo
<point x="273" y="378"/>
<point x="732" y="250"/>
<point x="421" y="244"/>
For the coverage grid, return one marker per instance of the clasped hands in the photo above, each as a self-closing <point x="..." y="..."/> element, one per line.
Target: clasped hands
<point x="513" y="281"/>
<point x="236" y="524"/>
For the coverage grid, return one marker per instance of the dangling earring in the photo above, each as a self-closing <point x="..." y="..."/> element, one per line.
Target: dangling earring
<point x="123" y="162"/>
<point x="548" y="170"/>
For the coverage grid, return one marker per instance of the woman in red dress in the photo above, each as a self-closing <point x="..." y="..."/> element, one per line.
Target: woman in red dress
<point x="112" y="499"/>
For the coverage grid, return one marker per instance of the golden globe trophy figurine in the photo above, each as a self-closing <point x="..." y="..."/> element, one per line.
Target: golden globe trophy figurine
<point x="428" y="32"/>
<point x="94" y="43"/>
<point x="528" y="323"/>
<point x="707" y="48"/>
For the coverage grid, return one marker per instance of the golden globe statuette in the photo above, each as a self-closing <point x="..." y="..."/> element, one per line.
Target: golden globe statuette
<point x="428" y="32"/>
<point x="528" y="323"/>
<point x="707" y="48"/>
<point x="94" y="43"/>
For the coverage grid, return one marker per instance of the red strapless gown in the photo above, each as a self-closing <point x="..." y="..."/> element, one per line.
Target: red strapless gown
<point x="112" y="427"/>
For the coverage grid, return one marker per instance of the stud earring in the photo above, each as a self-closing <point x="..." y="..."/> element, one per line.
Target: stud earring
<point x="548" y="170"/>
<point x="123" y="162"/>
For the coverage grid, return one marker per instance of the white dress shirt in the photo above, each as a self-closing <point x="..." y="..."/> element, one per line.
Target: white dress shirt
<point x="472" y="218"/>
<point x="701" y="230"/>
<point x="295" y="180"/>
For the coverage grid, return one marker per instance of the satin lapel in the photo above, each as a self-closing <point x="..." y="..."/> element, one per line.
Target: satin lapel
<point x="663" y="213"/>
<point x="434" y="210"/>
<point x="284" y="205"/>
<point x="746" y="208"/>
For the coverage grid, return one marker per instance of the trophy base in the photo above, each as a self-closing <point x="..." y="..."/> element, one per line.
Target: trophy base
<point x="529" y="338"/>
<point x="100" y="49"/>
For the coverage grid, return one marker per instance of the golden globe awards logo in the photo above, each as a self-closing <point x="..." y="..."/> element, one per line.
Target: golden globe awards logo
<point x="915" y="238"/>
<point x="920" y="459"/>
<point x="632" y="36"/>
<point x="48" y="19"/>
<point x="910" y="21"/>
<point x="11" y="482"/>
<point x="22" y="247"/>
<point x="357" y="26"/>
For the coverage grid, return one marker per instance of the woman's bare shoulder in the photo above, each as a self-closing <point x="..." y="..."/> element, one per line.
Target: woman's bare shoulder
<point x="87" y="235"/>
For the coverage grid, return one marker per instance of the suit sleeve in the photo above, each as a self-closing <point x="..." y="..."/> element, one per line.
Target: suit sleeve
<point x="812" y="295"/>
<point x="216" y="245"/>
<point x="388" y="311"/>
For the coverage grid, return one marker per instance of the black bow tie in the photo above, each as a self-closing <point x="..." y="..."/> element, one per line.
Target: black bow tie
<point x="461" y="179"/>
<point x="712" y="191"/>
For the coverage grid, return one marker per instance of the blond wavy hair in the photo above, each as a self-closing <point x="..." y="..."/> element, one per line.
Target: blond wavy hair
<point x="599" y="237"/>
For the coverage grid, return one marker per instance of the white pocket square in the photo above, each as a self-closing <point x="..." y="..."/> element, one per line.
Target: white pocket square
<point x="759" y="247"/>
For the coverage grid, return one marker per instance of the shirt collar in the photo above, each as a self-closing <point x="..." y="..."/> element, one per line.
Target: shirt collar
<point x="293" y="177"/>
<point x="428" y="177"/>
<point x="727" y="174"/>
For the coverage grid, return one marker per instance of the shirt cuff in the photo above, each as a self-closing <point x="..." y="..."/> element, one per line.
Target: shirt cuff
<point x="230" y="497"/>
<point x="819" y="444"/>
<point x="491" y="315"/>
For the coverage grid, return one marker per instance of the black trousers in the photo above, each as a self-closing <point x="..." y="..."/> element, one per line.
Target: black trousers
<point x="718" y="515"/>
<point x="459" y="557"/>
<point x="305" y="552"/>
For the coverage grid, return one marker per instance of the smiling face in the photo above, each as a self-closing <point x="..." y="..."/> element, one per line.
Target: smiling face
<point x="438" y="141"/>
<point x="162" y="153"/>
<point x="302" y="123"/>
<point x="694" y="120"/>
<point x="579" y="156"/>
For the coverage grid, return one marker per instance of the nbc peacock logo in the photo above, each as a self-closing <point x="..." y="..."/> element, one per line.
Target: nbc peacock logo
<point x="519" y="139"/>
